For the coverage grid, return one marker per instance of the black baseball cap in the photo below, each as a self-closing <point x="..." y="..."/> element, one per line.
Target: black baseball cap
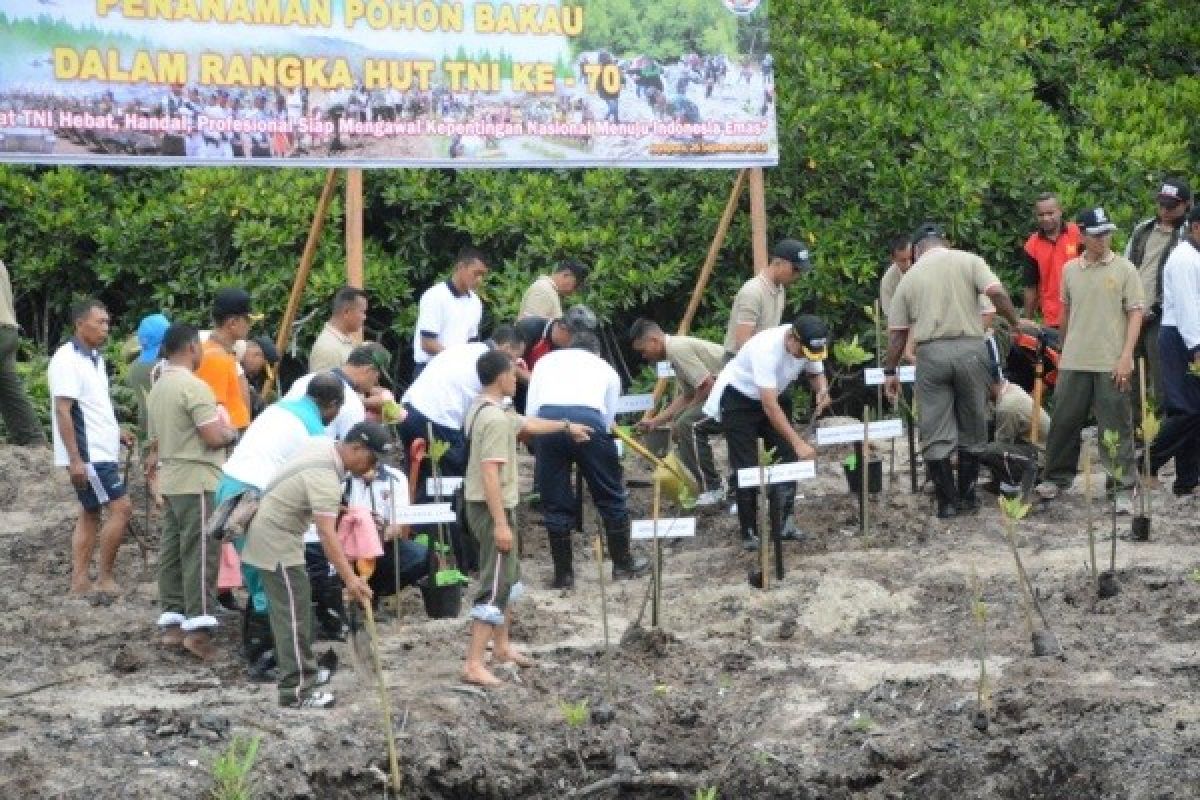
<point x="1174" y="190"/>
<point x="813" y="334"/>
<point x="1095" y="222"/>
<point x="270" y="352"/>
<point x="233" y="302"/>
<point x="793" y="252"/>
<point x="927" y="230"/>
<point x="371" y="435"/>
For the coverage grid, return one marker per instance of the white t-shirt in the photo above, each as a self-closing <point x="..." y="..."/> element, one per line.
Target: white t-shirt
<point x="390" y="490"/>
<point x="273" y="437"/>
<point x="574" y="377"/>
<point x="447" y="316"/>
<point x="353" y="411"/>
<point x="446" y="388"/>
<point x="762" y="363"/>
<point x="79" y="374"/>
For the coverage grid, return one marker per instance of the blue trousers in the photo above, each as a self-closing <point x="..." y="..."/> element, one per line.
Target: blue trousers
<point x="597" y="460"/>
<point x="1179" y="436"/>
<point x="454" y="463"/>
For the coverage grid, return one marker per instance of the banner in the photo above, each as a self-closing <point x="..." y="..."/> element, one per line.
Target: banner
<point x="387" y="83"/>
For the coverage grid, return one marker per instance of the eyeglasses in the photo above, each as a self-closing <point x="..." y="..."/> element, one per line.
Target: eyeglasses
<point x="1169" y="203"/>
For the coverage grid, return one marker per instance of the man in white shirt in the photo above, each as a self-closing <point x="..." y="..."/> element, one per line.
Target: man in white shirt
<point x="360" y="376"/>
<point x="1179" y="353"/>
<point x="748" y="400"/>
<point x="87" y="441"/>
<point x="449" y="312"/>
<point x="576" y="385"/>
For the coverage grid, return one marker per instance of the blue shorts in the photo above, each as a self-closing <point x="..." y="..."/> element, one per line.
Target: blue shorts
<point x="104" y="484"/>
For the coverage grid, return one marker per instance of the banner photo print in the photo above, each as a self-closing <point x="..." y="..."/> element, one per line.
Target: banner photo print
<point x="387" y="83"/>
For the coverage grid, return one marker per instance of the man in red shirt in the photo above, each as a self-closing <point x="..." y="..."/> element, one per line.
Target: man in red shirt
<point x="1047" y="249"/>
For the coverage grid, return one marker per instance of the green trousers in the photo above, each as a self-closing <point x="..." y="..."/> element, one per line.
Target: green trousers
<point x="188" y="560"/>
<point x="494" y="586"/>
<point x="289" y="598"/>
<point x="1078" y="395"/>
<point x="15" y="408"/>
<point x="952" y="387"/>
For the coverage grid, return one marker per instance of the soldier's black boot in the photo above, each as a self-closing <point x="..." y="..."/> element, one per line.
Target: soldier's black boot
<point x="624" y="564"/>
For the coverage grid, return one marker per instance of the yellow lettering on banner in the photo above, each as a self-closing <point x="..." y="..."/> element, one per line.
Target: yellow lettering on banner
<point x="288" y="72"/>
<point x="528" y="18"/>
<point x="306" y="13"/>
<point x="535" y="78"/>
<point x="144" y="67"/>
<point x="454" y="71"/>
<point x="382" y="73"/>
<point x="427" y="15"/>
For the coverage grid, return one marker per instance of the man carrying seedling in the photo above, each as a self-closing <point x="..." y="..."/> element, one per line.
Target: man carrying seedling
<point x="232" y="318"/>
<point x="491" y="494"/>
<point x="696" y="364"/>
<point x="1046" y="252"/>
<point x="1102" y="297"/>
<point x="187" y="445"/>
<point x="342" y="332"/>
<point x="87" y="442"/>
<point x="544" y="296"/>
<point x="20" y="420"/>
<point x="748" y="400"/>
<point x="450" y="311"/>
<point x="759" y="304"/>
<point x="1179" y="348"/>
<point x="307" y="490"/>
<point x="936" y="306"/>
<point x="576" y="385"/>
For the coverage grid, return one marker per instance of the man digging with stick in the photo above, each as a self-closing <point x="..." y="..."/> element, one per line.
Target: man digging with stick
<point x="491" y="494"/>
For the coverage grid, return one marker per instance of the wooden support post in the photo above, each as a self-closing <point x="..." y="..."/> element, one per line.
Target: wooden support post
<point x="758" y="218"/>
<point x="354" y="227"/>
<point x="306" y="260"/>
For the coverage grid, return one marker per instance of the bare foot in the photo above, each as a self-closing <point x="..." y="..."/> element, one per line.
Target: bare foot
<point x="513" y="656"/>
<point x="80" y="586"/>
<point x="480" y="676"/>
<point x="108" y="586"/>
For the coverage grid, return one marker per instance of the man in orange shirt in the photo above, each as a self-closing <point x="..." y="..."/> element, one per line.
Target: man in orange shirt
<point x="219" y="366"/>
<point x="1046" y="251"/>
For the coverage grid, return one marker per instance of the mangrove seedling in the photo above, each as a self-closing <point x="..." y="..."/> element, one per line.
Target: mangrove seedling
<point x="707" y="793"/>
<point x="983" y="691"/>
<point x="1111" y="442"/>
<point x="231" y="770"/>
<point x="1045" y="643"/>
<point x="1087" y="505"/>
<point x="575" y="715"/>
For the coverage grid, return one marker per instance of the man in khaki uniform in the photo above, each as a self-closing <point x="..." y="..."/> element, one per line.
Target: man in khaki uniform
<point x="1102" y="297"/>
<point x="490" y="489"/>
<point x="901" y="252"/>
<point x="759" y="304"/>
<point x="20" y="420"/>
<point x="544" y="296"/>
<point x="342" y="332"/>
<point x="187" y="441"/>
<point x="307" y="490"/>
<point x="937" y="306"/>
<point x="696" y="364"/>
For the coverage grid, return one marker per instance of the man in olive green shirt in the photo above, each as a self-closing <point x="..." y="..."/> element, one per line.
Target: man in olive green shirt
<point x="544" y="296"/>
<point x="937" y="306"/>
<point x="342" y="332"/>
<point x="1102" y="296"/>
<point x="20" y="420"/>
<point x="696" y="364"/>
<point x="759" y="304"/>
<point x="187" y="441"/>
<point x="307" y="490"/>
<point x="490" y="489"/>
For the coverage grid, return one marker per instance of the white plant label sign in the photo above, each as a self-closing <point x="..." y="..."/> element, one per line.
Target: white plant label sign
<point x="634" y="403"/>
<point x="449" y="485"/>
<point x="749" y="477"/>
<point x="841" y="434"/>
<point x="424" y="514"/>
<point x="875" y="376"/>
<point x="670" y="528"/>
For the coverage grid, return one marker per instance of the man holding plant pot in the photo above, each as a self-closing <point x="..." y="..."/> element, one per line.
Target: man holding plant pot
<point x="1102" y="301"/>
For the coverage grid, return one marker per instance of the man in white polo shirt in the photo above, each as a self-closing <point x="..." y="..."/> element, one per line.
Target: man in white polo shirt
<point x="450" y="311"/>
<point x="748" y="400"/>
<point x="359" y="375"/>
<point x="576" y="385"/>
<point x="87" y="441"/>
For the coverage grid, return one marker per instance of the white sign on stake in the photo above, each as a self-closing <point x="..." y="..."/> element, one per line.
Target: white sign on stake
<point x="670" y="528"/>
<point x="424" y="514"/>
<point x="448" y="487"/>
<point x="634" y="403"/>
<point x="841" y="434"/>
<point x="875" y="376"/>
<point x="748" y="478"/>
<point x="665" y="370"/>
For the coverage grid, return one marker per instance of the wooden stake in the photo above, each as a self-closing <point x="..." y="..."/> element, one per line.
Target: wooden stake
<point x="1147" y="479"/>
<point x="764" y="526"/>
<point x="657" y="565"/>
<point x="306" y="261"/>
<point x="710" y="261"/>
<point x="758" y="218"/>
<point x="1035" y="423"/>
<point x="863" y="464"/>
<point x="598" y="548"/>
<point x="1087" y="505"/>
<point x="354" y="227"/>
<point x="365" y="569"/>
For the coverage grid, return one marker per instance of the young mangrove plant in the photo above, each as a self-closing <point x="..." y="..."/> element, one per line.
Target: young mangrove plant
<point x="1045" y="643"/>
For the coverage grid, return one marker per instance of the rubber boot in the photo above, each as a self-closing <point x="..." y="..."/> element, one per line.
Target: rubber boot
<point x="944" y="488"/>
<point x="624" y="564"/>
<point x="329" y="611"/>
<point x="968" y="477"/>
<point x="781" y="505"/>
<point x="560" y="551"/>
<point x="747" y="513"/>
<point x="256" y="634"/>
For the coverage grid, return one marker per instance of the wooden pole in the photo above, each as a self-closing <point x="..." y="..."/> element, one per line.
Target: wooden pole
<point x="710" y="262"/>
<point x="654" y="606"/>
<point x="354" y="227"/>
<point x="758" y="218"/>
<point x="306" y="260"/>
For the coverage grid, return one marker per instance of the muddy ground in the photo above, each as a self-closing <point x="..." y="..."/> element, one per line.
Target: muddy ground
<point x="856" y="677"/>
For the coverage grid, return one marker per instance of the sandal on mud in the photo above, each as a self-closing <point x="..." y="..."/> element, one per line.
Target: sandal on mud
<point x="317" y="700"/>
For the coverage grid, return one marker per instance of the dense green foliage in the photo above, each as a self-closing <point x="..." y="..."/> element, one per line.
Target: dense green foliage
<point x="889" y="113"/>
<point x="663" y="30"/>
